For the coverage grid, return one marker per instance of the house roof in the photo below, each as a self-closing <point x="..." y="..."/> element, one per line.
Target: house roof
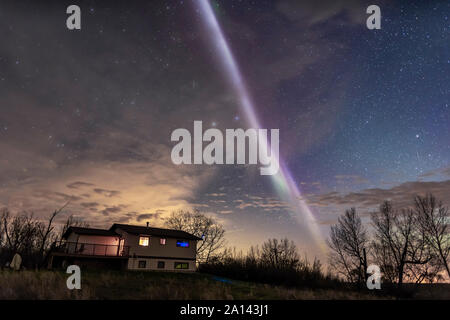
<point x="89" y="231"/>
<point x="154" y="231"/>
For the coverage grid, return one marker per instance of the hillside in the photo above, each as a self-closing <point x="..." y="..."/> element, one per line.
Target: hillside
<point x="151" y="285"/>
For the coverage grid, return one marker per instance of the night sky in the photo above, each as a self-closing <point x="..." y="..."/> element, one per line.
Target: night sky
<point x="86" y="115"/>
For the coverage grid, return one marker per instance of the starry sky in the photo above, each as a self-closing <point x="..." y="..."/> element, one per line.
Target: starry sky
<point x="86" y="115"/>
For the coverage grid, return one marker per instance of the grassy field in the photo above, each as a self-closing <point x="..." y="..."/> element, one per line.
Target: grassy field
<point x="151" y="285"/>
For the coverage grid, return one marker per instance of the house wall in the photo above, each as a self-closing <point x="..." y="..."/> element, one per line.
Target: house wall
<point x="149" y="256"/>
<point x="152" y="264"/>
<point x="112" y="241"/>
<point x="93" y="245"/>
<point x="155" y="249"/>
<point x="73" y="237"/>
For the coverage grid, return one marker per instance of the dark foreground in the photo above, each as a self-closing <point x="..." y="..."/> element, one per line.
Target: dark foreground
<point x="51" y="285"/>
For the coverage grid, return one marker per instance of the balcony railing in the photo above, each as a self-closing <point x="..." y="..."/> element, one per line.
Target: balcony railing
<point x="93" y="249"/>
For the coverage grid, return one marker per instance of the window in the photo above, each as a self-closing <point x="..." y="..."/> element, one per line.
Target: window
<point x="162" y="241"/>
<point x="142" y="264"/>
<point x="183" y="243"/>
<point x="181" y="265"/>
<point x="143" y="241"/>
<point x="161" y="265"/>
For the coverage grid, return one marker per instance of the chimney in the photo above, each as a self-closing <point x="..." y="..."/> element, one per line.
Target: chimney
<point x="147" y="224"/>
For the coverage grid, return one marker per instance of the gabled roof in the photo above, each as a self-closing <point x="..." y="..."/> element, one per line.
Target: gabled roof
<point x="159" y="232"/>
<point x="89" y="231"/>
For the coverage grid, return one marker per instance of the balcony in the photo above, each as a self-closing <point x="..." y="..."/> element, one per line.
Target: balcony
<point x="92" y="249"/>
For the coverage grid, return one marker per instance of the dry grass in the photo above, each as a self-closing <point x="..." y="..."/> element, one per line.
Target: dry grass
<point x="26" y="285"/>
<point x="43" y="285"/>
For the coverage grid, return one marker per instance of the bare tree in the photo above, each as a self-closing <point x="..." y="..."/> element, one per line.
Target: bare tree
<point x="25" y="234"/>
<point x="348" y="243"/>
<point x="280" y="254"/>
<point x="71" y="221"/>
<point x="253" y="255"/>
<point x="21" y="232"/>
<point x="4" y="215"/>
<point x="382" y="256"/>
<point x="424" y="272"/>
<point x="433" y="218"/>
<point x="47" y="237"/>
<point x="203" y="227"/>
<point x="399" y="242"/>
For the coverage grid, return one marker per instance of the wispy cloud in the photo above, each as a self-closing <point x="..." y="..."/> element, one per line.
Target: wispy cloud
<point x="401" y="195"/>
<point x="107" y="193"/>
<point x="79" y="184"/>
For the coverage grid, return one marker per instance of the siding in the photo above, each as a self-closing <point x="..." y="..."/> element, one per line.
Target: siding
<point x="151" y="254"/>
<point x="83" y="238"/>
<point x="93" y="245"/>
<point x="112" y="241"/>
<point x="152" y="264"/>
<point x="154" y="249"/>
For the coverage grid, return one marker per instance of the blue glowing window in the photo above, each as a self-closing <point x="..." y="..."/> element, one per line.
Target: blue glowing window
<point x="183" y="243"/>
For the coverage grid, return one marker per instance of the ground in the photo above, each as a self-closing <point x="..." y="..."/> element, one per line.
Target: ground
<point x="153" y="285"/>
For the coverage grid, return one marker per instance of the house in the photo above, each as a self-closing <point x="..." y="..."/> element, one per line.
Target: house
<point x="126" y="246"/>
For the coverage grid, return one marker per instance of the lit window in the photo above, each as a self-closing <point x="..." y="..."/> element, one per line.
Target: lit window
<point x="162" y="241"/>
<point x="143" y="241"/>
<point x="181" y="265"/>
<point x="183" y="243"/>
<point x="142" y="264"/>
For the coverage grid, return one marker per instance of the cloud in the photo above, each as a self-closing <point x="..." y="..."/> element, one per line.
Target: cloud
<point x="402" y="195"/>
<point x="217" y="201"/>
<point x="107" y="193"/>
<point x="79" y="184"/>
<point x="437" y="172"/>
<point x="314" y="12"/>
<point x="90" y="205"/>
<point x="143" y="187"/>
<point x="225" y="211"/>
<point x="114" y="209"/>
<point x="78" y="132"/>
<point x="428" y="174"/>
<point x="265" y="204"/>
<point x="55" y="196"/>
<point x="148" y="216"/>
<point x="353" y="179"/>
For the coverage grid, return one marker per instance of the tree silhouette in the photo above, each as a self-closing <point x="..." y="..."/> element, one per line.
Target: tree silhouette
<point x="433" y="218"/>
<point x="203" y="227"/>
<point x="401" y="240"/>
<point x="348" y="243"/>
